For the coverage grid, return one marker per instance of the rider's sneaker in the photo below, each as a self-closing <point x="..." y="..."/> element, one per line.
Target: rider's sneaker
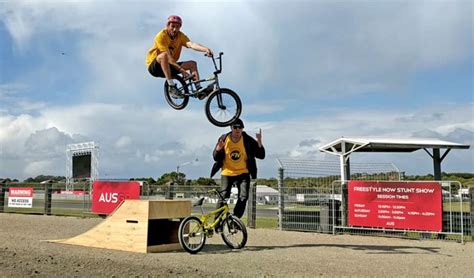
<point x="204" y="92"/>
<point x="174" y="92"/>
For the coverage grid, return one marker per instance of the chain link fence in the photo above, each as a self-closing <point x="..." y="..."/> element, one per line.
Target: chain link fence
<point x="306" y="199"/>
<point x="47" y="198"/>
<point x="313" y="199"/>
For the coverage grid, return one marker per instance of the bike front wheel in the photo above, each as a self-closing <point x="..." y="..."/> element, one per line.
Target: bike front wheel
<point x="223" y="107"/>
<point x="191" y="234"/>
<point x="234" y="232"/>
<point x="180" y="100"/>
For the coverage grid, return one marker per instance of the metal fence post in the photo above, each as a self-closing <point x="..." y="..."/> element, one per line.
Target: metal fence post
<point x="471" y="194"/>
<point x="281" y="198"/>
<point x="252" y="208"/>
<point x="344" y="192"/>
<point x="3" y="188"/>
<point x="169" y="191"/>
<point x="47" y="198"/>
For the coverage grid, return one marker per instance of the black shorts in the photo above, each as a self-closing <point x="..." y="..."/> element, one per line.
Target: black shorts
<point x="156" y="70"/>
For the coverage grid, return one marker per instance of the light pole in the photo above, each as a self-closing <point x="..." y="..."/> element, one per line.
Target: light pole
<point x="183" y="164"/>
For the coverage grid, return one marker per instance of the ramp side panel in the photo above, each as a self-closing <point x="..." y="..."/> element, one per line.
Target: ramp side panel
<point x="126" y="229"/>
<point x="167" y="209"/>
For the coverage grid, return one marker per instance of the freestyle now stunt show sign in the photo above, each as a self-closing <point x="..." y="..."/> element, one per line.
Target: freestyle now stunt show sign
<point x="107" y="195"/>
<point x="396" y="205"/>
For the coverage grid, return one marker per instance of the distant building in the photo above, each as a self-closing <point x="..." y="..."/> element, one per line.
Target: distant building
<point x="265" y="195"/>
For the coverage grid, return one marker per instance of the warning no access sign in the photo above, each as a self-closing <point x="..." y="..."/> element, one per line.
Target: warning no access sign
<point x="20" y="197"/>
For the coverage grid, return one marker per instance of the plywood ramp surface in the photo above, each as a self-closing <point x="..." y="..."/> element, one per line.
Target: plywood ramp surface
<point x="127" y="228"/>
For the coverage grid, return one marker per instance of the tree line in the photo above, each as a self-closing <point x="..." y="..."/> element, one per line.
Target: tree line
<point x="467" y="179"/>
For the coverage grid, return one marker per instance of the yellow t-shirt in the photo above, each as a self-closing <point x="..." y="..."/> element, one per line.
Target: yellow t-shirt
<point x="235" y="161"/>
<point x="163" y="43"/>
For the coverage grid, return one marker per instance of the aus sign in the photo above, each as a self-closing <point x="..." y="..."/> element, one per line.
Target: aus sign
<point x="107" y="195"/>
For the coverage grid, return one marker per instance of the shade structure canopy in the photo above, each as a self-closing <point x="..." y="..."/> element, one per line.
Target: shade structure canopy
<point x="343" y="147"/>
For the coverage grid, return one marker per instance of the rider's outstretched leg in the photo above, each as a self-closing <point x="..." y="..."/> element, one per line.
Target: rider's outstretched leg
<point x="163" y="59"/>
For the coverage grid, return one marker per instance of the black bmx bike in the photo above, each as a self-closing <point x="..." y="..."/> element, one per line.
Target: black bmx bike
<point x="223" y="106"/>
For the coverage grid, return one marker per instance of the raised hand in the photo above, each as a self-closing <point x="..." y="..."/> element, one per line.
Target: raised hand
<point x="220" y="144"/>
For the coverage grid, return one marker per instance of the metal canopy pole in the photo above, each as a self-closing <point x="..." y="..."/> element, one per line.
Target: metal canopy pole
<point x="436" y="165"/>
<point x="342" y="159"/>
<point x="437" y="159"/>
<point x="344" y="191"/>
<point x="348" y="168"/>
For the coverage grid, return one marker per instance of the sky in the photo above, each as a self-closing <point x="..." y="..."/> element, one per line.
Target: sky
<point x="308" y="73"/>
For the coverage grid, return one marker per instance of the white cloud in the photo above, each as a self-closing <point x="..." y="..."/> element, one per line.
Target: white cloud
<point x="318" y="47"/>
<point x="277" y="55"/>
<point x="123" y="142"/>
<point x="43" y="167"/>
<point x="150" y="145"/>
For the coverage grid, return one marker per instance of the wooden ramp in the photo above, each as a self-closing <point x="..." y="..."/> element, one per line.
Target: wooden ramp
<point x="137" y="226"/>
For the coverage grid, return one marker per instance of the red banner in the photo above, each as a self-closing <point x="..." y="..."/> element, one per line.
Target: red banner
<point x="107" y="195"/>
<point x="398" y="205"/>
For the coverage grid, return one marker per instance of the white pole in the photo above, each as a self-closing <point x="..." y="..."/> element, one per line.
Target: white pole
<point x="342" y="159"/>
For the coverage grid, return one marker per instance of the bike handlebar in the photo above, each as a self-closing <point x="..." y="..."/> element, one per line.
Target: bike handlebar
<point x="218" y="70"/>
<point x="215" y="191"/>
<point x="220" y="54"/>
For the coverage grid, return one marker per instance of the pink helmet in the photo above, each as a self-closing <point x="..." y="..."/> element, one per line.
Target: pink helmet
<point x="174" y="19"/>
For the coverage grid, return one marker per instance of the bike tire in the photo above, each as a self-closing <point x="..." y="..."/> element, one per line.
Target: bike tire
<point x="223" y="116"/>
<point x="191" y="234"/>
<point x="180" y="102"/>
<point x="234" y="232"/>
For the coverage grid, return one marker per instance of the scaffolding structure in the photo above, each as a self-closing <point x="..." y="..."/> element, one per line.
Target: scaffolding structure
<point x="86" y="148"/>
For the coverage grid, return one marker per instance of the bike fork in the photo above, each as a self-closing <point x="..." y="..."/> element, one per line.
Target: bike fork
<point x="220" y="103"/>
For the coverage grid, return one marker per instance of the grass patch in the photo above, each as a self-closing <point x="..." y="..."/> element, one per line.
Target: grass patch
<point x="264" y="222"/>
<point x="54" y="211"/>
<point x="456" y="206"/>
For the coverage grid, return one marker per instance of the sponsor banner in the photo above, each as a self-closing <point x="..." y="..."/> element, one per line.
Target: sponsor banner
<point x="398" y="205"/>
<point x="20" y="197"/>
<point x="107" y="195"/>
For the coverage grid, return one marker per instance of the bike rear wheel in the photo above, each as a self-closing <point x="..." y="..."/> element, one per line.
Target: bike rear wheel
<point x="191" y="234"/>
<point x="234" y="232"/>
<point x="180" y="101"/>
<point x="223" y="107"/>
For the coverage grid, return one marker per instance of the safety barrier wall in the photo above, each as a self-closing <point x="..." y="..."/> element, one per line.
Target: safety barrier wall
<point x="307" y="201"/>
<point x="325" y="210"/>
<point x="47" y="198"/>
<point x="308" y="208"/>
<point x="53" y="198"/>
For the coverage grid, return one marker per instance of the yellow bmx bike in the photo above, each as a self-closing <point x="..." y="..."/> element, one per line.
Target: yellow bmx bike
<point x="194" y="230"/>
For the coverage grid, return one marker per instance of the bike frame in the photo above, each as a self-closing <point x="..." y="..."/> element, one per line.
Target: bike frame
<point x="223" y="211"/>
<point x="214" y="81"/>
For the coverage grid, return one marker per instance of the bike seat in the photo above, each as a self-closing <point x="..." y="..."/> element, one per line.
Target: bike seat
<point x="199" y="202"/>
